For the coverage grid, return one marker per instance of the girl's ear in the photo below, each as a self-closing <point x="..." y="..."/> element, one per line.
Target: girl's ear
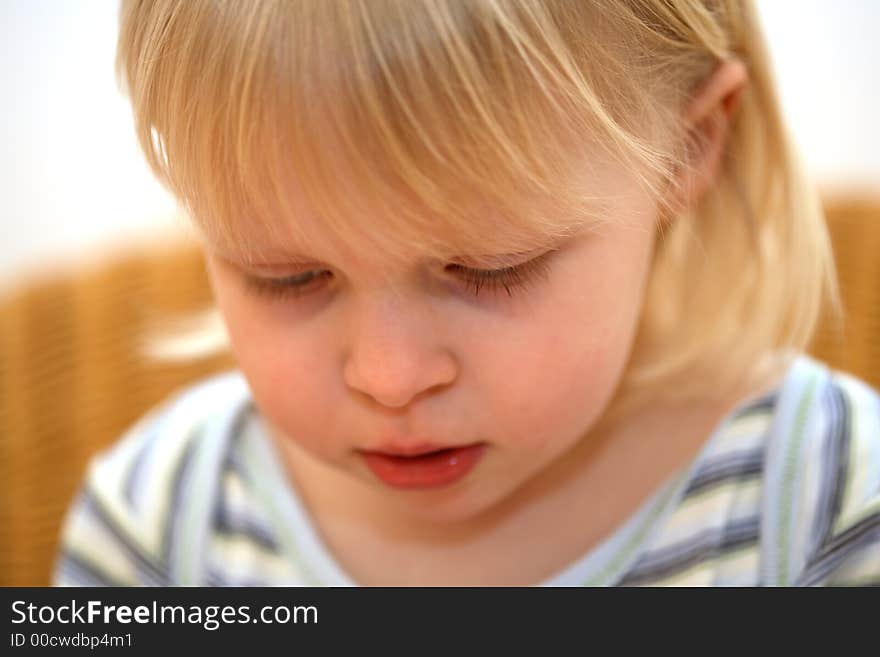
<point x="707" y="118"/>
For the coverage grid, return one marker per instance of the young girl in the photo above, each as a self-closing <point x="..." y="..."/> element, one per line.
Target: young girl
<point x="518" y="293"/>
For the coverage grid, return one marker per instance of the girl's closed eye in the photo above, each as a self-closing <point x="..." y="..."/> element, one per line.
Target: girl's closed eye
<point x="508" y="278"/>
<point x="286" y="286"/>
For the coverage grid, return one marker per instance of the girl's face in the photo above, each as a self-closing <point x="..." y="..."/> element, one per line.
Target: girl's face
<point x="360" y="372"/>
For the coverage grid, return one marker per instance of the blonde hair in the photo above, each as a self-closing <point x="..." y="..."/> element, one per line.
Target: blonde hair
<point x="439" y="110"/>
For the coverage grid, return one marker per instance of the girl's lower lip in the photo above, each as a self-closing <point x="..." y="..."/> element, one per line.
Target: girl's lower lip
<point x="427" y="471"/>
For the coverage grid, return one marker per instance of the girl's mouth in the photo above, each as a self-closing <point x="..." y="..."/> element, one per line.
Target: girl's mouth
<point x="431" y="469"/>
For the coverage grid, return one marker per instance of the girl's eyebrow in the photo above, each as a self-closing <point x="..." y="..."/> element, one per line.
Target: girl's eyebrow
<point x="268" y="258"/>
<point x="276" y="256"/>
<point x="258" y="256"/>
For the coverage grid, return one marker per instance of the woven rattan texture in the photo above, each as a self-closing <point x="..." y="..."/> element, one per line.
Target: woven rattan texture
<point x="72" y="379"/>
<point x="855" y="345"/>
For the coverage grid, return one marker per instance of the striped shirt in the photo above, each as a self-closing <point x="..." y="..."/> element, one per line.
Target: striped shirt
<point x="785" y="492"/>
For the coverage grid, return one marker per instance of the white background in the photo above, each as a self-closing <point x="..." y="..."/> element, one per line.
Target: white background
<point x="74" y="185"/>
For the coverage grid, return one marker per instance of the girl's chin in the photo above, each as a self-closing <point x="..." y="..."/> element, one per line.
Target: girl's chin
<point x="469" y="501"/>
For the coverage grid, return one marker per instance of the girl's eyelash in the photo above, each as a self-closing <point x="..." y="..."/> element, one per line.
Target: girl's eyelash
<point x="508" y="278"/>
<point x="288" y="286"/>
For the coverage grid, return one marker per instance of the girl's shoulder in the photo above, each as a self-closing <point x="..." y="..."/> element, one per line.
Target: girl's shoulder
<point x="785" y="492"/>
<point x="126" y="508"/>
<point x="821" y="502"/>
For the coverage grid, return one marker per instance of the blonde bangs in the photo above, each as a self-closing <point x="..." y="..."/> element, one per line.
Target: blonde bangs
<point x="439" y="128"/>
<point x="448" y="125"/>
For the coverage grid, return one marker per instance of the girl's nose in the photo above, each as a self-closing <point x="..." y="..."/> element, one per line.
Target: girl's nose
<point x="394" y="352"/>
